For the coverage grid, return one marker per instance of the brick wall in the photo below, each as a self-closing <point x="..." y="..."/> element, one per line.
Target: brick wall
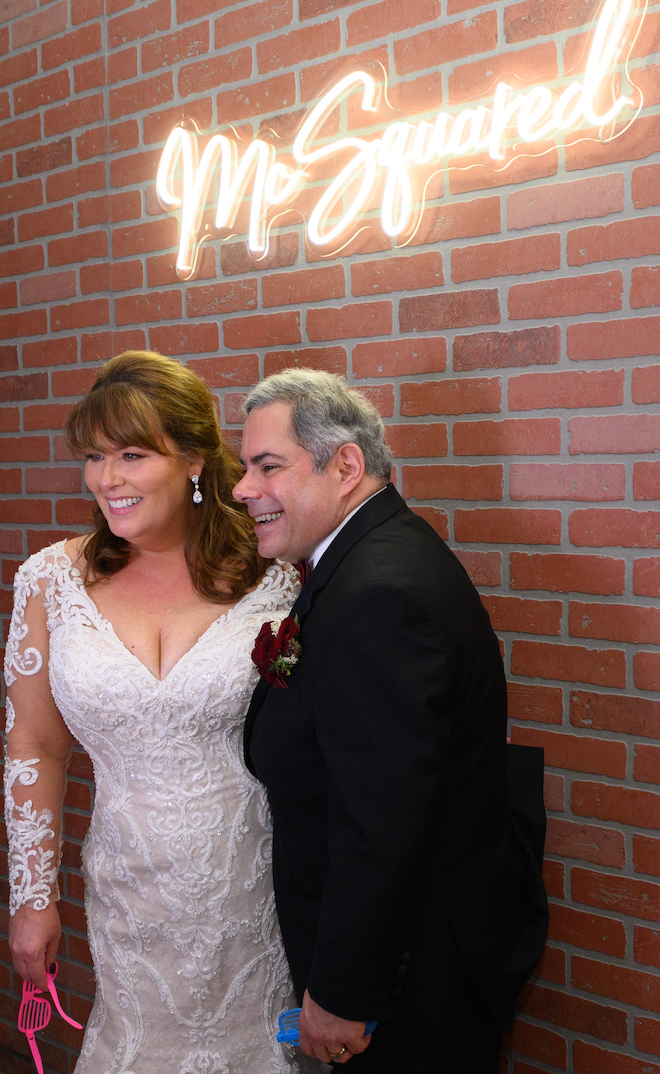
<point x="511" y="347"/>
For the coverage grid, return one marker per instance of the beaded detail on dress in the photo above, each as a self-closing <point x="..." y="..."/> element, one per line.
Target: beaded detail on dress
<point x="190" y="967"/>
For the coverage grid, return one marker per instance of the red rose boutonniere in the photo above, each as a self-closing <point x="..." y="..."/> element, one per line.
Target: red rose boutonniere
<point x="276" y="652"/>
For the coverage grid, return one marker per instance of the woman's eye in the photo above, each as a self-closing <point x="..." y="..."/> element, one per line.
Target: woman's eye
<point x="91" y="457"/>
<point x="132" y="455"/>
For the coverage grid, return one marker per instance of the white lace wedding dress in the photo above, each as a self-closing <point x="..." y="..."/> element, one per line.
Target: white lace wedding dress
<point x="190" y="969"/>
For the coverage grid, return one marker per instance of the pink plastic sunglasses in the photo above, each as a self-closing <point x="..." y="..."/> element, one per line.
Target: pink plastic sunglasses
<point x="34" y="1013"/>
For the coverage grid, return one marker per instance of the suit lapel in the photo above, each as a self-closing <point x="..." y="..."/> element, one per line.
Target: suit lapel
<point x="373" y="514"/>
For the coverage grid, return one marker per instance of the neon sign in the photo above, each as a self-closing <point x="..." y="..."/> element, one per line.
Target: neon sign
<point x="184" y="180"/>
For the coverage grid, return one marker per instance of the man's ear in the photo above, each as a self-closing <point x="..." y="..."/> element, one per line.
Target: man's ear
<point x="349" y="461"/>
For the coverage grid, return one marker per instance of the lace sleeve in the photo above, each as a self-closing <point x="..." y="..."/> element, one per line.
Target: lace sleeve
<point x="37" y="748"/>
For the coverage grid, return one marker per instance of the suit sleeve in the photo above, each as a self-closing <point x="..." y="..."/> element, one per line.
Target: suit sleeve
<point x="382" y="703"/>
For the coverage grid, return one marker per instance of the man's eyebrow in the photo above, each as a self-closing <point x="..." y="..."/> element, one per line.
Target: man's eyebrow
<point x="256" y="459"/>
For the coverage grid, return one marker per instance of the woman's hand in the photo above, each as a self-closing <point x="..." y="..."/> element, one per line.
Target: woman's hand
<point x="34" y="937"/>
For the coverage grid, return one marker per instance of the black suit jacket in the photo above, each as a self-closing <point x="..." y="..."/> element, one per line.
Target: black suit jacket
<point x="397" y="859"/>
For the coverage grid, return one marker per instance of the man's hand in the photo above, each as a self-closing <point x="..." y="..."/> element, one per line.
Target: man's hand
<point x="331" y="1039"/>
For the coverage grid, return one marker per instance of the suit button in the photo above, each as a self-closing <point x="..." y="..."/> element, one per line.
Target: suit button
<point x="400" y="970"/>
<point x="397" y="991"/>
<point x="405" y="957"/>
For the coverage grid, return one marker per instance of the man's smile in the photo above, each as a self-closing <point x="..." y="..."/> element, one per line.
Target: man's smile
<point x="259" y="519"/>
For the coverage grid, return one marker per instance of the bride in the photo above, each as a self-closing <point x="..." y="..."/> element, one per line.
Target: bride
<point x="135" y="641"/>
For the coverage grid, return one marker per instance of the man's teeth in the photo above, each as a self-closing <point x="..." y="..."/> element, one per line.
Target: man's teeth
<point x="268" y="518"/>
<point x="117" y="504"/>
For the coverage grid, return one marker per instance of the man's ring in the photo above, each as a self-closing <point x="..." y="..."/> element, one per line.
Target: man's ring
<point x="338" y="1055"/>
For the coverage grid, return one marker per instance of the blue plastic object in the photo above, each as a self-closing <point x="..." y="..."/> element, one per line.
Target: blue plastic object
<point x="289" y="1027"/>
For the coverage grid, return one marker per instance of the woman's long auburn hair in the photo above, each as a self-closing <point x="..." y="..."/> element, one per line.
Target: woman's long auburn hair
<point x="140" y="398"/>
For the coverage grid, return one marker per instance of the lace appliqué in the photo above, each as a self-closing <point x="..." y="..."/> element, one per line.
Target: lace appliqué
<point x="32" y="874"/>
<point x="30" y="661"/>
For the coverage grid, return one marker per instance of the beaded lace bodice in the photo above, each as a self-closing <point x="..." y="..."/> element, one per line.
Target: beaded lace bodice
<point x="186" y="947"/>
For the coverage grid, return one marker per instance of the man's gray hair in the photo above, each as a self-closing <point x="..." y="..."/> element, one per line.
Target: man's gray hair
<point x="325" y="414"/>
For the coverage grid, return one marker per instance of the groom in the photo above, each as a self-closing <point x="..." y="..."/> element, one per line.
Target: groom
<point x="407" y="891"/>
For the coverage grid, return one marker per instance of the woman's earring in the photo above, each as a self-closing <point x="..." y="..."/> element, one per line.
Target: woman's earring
<point x="197" y="496"/>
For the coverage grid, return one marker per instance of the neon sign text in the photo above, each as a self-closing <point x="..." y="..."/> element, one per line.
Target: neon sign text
<point x="184" y="178"/>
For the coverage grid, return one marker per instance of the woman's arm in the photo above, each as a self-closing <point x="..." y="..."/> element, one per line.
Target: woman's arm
<point x="38" y="746"/>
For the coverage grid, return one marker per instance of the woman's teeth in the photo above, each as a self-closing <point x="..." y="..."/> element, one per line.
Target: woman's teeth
<point x="118" y="504"/>
<point x="268" y="518"/>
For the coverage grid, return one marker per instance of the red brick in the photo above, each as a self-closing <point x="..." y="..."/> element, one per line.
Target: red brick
<point x="614" y="434"/>
<point x="573" y="481"/>
<point x="236" y="259"/>
<point x="143" y="238"/>
<point x="165" y="51"/>
<point x="646" y="577"/>
<point x="484" y="568"/>
<point x="627" y="805"/>
<point x="619" y="894"/>
<point x="568" y="389"/>
<point x="451" y="41"/>
<point x="158" y="125"/>
<point x="76" y="181"/>
<point x="48" y="222"/>
<point x="76" y="512"/>
<point x="24" y="449"/>
<point x="615" y="527"/>
<point x="552" y="965"/>
<point x="616" y="622"/>
<point x="528" y="19"/>
<point x="569" y="663"/>
<point x="84" y="10"/>
<point x="234" y="407"/>
<point x="11" y="481"/>
<point x="49" y="416"/>
<point x="81" y="112"/>
<point x="16" y="68"/>
<point x="456" y="309"/>
<point x="258" y="99"/>
<point x="481" y="175"/>
<point x="646" y="856"/>
<point x="139" y="23"/>
<point x="397" y="274"/>
<point x="80" y="314"/>
<point x="644" y="288"/>
<point x="62" y="351"/>
<point x="647" y="1035"/>
<point x="479" y="395"/>
<point x="524" y="616"/>
<point x="380" y="395"/>
<point x="574" y="1012"/>
<point x="543" y="704"/>
<point x="194" y="9"/>
<point x="53" y="479"/>
<point x="298" y="46"/>
<point x="34" y="511"/>
<point x="554" y="792"/>
<point x="472" y="80"/>
<point x="96" y="346"/>
<point x="585" y="150"/>
<point x="137" y="168"/>
<point x="499" y="350"/>
<point x="389" y="16"/>
<point x="253" y="20"/>
<point x="591" y="1060"/>
<point x="89" y="75"/>
<point x="646" y="384"/>
<point x="566" y="296"/>
<point x="120" y="276"/>
<point x="136" y="96"/>
<point x="579" y="753"/>
<point x="538" y="1043"/>
<point x="309" y="285"/>
<point x="626" y="338"/>
<point x="610" y="712"/>
<point x="646" y="668"/>
<point x="262" y="330"/>
<point x="73" y="382"/>
<point x="553" y="878"/>
<point x="20" y="132"/>
<point x="78" y="248"/>
<point x="67" y="47"/>
<point x="511" y="257"/>
<point x="309" y="9"/>
<point x="503" y="525"/>
<point x="332" y="359"/>
<point x="596" y="933"/>
<point x="565" y="573"/>
<point x="153" y="306"/>
<point x="617" y="982"/>
<point x="452" y="482"/>
<point x="21" y="196"/>
<point x="610" y="242"/>
<point x="513" y="436"/>
<point x="459" y="220"/>
<point x="15" y="325"/>
<point x="586" y="842"/>
<point x="8" y="358"/>
<point x="49" y="288"/>
<point x="346" y="322"/>
<point x="47" y="23"/>
<point x="647" y="758"/>
<point x="227" y="371"/>
<point x="24" y="386"/>
<point x="436" y="519"/>
<point x="217" y="71"/>
<point x="557" y="202"/>
<point x="644" y="186"/>
<point x="392" y="358"/>
<point x="184" y="338"/>
<point x="8" y="296"/>
<point x="26" y="259"/>
<point x="122" y="65"/>
<point x="415" y="441"/>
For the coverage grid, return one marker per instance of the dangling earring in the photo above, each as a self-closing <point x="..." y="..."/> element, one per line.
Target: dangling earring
<point x="197" y="496"/>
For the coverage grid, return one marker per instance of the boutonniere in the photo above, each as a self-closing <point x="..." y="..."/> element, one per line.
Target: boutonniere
<point x="276" y="652"/>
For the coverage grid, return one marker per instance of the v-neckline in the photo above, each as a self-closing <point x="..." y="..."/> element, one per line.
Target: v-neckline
<point x="108" y="628"/>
